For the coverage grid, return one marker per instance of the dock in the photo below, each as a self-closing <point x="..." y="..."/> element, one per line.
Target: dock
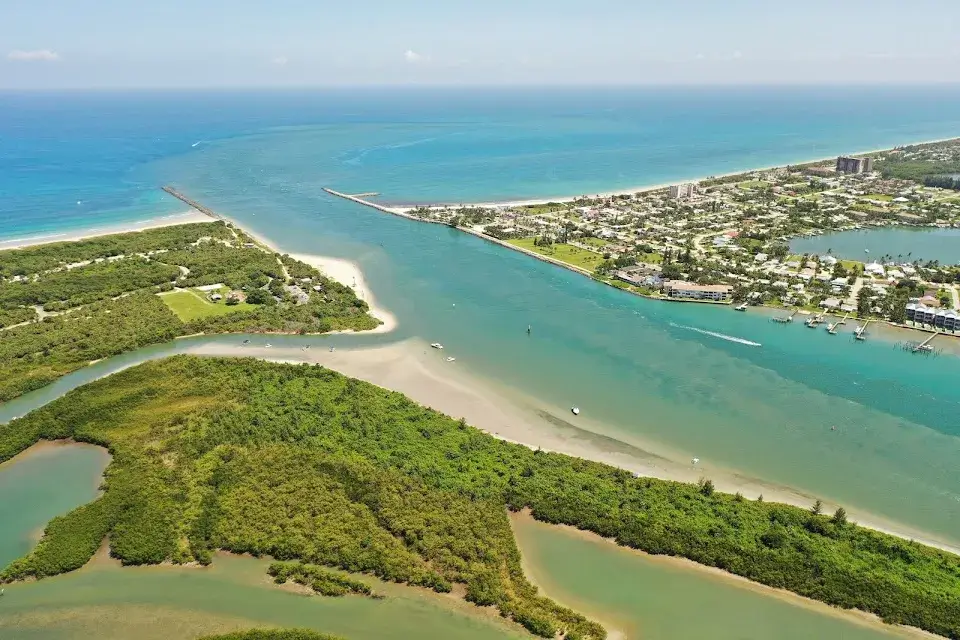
<point x="832" y="328"/>
<point x="860" y="332"/>
<point x="194" y="204"/>
<point x="786" y="319"/>
<point x="360" y="199"/>
<point x="925" y="345"/>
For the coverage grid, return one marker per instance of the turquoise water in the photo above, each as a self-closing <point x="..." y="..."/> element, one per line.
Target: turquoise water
<point x="634" y="366"/>
<point x="903" y="244"/>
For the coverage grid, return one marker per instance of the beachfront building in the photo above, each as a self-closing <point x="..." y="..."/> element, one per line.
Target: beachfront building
<point x="682" y="290"/>
<point x="685" y="190"/>
<point x="946" y="319"/>
<point x="846" y="164"/>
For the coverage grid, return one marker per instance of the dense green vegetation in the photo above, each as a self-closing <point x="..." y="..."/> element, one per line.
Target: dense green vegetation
<point x="45" y="257"/>
<point x="36" y="354"/>
<point x="301" y="463"/>
<point x="101" y="293"/>
<point x="323" y="581"/>
<point x="272" y="634"/>
<point x="916" y="170"/>
<point x="57" y="290"/>
<point x="10" y="317"/>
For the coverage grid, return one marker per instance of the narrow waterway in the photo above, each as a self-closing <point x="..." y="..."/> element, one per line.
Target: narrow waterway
<point x="656" y="598"/>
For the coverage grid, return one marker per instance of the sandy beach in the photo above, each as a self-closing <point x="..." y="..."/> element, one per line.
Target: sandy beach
<point x="189" y="217"/>
<point x="414" y="369"/>
<point x="348" y="273"/>
<point x="647" y="187"/>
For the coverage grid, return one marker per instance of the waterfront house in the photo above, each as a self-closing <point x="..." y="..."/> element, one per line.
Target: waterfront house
<point x="830" y="303"/>
<point x="681" y="289"/>
<point x="946" y="319"/>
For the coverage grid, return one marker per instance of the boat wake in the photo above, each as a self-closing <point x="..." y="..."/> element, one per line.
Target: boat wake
<point x="722" y="336"/>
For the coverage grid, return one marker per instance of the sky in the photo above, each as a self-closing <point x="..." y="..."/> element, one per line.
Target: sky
<point x="51" y="44"/>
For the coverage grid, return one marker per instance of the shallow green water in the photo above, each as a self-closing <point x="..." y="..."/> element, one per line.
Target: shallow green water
<point x="105" y="601"/>
<point x="165" y="602"/>
<point x="654" y="600"/>
<point x="45" y="483"/>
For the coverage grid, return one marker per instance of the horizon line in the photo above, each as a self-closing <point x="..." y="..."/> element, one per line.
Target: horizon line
<point x="480" y="86"/>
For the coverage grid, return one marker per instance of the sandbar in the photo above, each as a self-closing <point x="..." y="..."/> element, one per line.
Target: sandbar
<point x="411" y="367"/>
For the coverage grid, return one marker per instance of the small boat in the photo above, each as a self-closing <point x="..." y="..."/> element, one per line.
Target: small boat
<point x="437" y="345"/>
<point x="451" y="359"/>
<point x="246" y="342"/>
<point x="332" y="349"/>
<point x="575" y="411"/>
<point x="268" y="345"/>
<point x="741" y="307"/>
<point x="529" y="329"/>
<point x="694" y="461"/>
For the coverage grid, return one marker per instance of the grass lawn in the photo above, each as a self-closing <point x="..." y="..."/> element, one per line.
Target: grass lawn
<point x="650" y="258"/>
<point x="753" y="184"/>
<point x="878" y="196"/>
<point x="850" y="264"/>
<point x="191" y="305"/>
<point x="594" y="242"/>
<point x="563" y="252"/>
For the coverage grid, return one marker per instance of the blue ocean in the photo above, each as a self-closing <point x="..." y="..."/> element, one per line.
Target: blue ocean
<point x="676" y="379"/>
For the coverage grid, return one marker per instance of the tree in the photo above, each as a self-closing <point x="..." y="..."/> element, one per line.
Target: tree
<point x="259" y="296"/>
<point x="839" y="517"/>
<point x="817" y="508"/>
<point x="706" y="486"/>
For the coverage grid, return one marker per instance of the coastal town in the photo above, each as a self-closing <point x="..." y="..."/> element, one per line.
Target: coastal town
<point x="727" y="240"/>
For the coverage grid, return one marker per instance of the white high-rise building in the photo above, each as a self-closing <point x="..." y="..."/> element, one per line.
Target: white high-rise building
<point x="685" y="190"/>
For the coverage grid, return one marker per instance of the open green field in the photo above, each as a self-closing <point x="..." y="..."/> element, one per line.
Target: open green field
<point x="563" y="252"/>
<point x="879" y="196"/>
<point x="594" y="242"/>
<point x="753" y="184"/>
<point x="192" y="305"/>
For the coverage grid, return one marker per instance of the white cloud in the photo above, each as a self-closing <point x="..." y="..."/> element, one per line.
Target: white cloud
<point x="38" y="55"/>
<point x="413" y="57"/>
<point x="280" y="61"/>
<point x="737" y="55"/>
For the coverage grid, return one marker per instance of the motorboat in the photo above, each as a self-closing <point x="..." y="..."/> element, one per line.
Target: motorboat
<point x="741" y="307"/>
<point x="451" y="359"/>
<point x="575" y="411"/>
<point x="437" y="345"/>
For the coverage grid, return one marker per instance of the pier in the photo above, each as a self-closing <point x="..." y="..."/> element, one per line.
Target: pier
<point x="359" y="199"/>
<point x="786" y="319"/>
<point x="194" y="204"/>
<point x="925" y="345"/>
<point x="860" y="332"/>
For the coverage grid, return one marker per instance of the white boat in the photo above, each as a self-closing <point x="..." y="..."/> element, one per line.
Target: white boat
<point x="575" y="411"/>
<point x="451" y="359"/>
<point x="741" y="307"/>
<point x="437" y="345"/>
<point x="268" y="345"/>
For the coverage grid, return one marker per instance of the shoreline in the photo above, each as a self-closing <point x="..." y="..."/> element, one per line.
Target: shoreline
<point x="409" y="367"/>
<point x="348" y="273"/>
<point x="854" y="616"/>
<point x="651" y="187"/>
<point x="187" y="217"/>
